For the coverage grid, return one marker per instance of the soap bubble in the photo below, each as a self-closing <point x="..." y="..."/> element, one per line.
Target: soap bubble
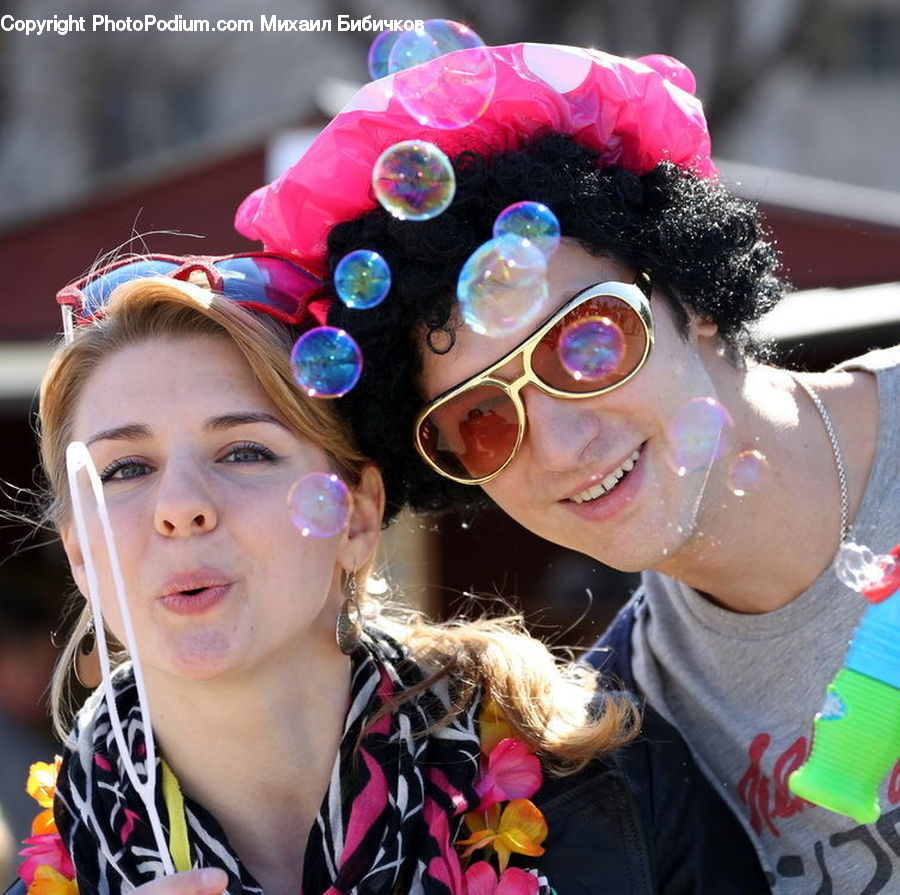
<point x="327" y="362"/>
<point x="380" y="52"/>
<point x="532" y="221"/>
<point x="435" y="38"/>
<point x="362" y="279"/>
<point x="748" y="472"/>
<point x="859" y="568"/>
<point x="445" y="93"/>
<point x="319" y="505"/>
<point x="413" y="180"/>
<point x="502" y="285"/>
<point x="697" y="434"/>
<point x="591" y="348"/>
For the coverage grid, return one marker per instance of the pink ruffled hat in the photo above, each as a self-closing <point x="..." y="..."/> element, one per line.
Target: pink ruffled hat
<point x="635" y="112"/>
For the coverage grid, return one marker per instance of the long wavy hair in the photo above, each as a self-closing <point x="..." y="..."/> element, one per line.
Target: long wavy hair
<point x="555" y="707"/>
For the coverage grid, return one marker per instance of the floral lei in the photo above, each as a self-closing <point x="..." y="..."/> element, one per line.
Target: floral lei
<point x="504" y="823"/>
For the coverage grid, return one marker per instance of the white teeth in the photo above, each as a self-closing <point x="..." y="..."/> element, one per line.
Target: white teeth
<point x="608" y="482"/>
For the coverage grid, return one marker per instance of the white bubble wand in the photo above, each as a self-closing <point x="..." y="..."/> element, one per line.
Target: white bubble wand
<point x="77" y="459"/>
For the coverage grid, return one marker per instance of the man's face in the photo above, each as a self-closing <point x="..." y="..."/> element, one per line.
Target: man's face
<point x="649" y="511"/>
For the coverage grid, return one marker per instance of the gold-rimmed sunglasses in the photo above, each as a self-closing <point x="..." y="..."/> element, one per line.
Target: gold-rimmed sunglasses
<point x="471" y="432"/>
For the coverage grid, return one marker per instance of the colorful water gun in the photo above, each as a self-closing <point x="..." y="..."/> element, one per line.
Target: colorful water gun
<point x="856" y="737"/>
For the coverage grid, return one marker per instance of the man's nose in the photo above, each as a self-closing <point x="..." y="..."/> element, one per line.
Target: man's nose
<point x="557" y="430"/>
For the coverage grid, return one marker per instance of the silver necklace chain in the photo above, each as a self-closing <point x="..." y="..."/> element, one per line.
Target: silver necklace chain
<point x="835" y="447"/>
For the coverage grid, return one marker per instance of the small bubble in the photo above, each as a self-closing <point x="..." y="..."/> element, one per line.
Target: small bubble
<point x="697" y="435"/>
<point x="858" y="567"/>
<point x="413" y="180"/>
<point x="591" y="348"/>
<point x="749" y="473"/>
<point x="379" y="54"/>
<point x="532" y="221"/>
<point x="326" y="362"/>
<point x="320" y="505"/>
<point x="362" y="279"/>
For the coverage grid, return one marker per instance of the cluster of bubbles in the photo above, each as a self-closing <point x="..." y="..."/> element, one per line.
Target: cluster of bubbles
<point x="447" y="95"/>
<point x="319" y="505"/>
<point x="503" y="284"/>
<point x="698" y="435"/>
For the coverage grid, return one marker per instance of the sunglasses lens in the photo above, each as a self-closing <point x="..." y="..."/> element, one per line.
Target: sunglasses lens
<point x="473" y="434"/>
<point x="595" y="346"/>
<point x="97" y="292"/>
<point x="266" y="283"/>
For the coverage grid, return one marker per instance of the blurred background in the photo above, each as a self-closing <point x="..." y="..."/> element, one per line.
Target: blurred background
<point x="107" y="136"/>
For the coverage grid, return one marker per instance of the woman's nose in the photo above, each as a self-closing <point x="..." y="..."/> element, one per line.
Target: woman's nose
<point x="184" y="503"/>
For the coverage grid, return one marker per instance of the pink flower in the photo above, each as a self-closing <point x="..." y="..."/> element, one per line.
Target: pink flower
<point x="446" y="866"/>
<point x="45" y="850"/>
<point x="481" y="879"/>
<point x="511" y="773"/>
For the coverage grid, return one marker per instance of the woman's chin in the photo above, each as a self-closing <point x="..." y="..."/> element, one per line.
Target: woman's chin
<point x="200" y="656"/>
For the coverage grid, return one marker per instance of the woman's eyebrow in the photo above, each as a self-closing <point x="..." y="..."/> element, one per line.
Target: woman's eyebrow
<point x="135" y="431"/>
<point x="128" y="432"/>
<point x="241" y="418"/>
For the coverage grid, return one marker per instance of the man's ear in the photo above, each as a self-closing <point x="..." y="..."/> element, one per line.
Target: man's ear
<point x="364" y="528"/>
<point x="703" y="327"/>
<point x="75" y="556"/>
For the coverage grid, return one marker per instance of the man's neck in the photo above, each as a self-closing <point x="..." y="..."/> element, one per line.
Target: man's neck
<point x="758" y="552"/>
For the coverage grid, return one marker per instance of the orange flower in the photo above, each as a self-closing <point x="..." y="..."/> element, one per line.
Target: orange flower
<point x="41" y="784"/>
<point x="48" y="881"/>
<point x="44" y="823"/>
<point x="493" y="726"/>
<point x="521" y="830"/>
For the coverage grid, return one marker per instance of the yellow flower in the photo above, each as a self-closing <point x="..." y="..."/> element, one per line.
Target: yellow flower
<point x="48" y="881"/>
<point x="493" y="726"/>
<point x="521" y="830"/>
<point x="41" y="784"/>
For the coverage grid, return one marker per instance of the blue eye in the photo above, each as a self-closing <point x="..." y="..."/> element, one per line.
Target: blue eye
<point x="124" y="469"/>
<point x="249" y="452"/>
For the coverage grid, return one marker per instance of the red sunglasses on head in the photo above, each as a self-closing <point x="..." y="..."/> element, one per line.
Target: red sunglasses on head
<point x="259" y="281"/>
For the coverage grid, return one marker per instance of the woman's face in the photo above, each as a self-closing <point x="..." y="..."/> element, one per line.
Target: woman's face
<point x="197" y="466"/>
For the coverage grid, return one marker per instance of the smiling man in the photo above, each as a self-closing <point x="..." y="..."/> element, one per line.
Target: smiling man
<point x="740" y="622"/>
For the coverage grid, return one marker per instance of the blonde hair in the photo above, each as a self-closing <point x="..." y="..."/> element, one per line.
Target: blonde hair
<point x="555" y="709"/>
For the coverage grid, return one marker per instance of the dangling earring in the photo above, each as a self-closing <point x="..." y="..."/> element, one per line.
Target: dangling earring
<point x="86" y="660"/>
<point x="348" y="627"/>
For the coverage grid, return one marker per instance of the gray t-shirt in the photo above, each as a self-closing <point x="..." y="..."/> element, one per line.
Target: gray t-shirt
<point x="743" y="690"/>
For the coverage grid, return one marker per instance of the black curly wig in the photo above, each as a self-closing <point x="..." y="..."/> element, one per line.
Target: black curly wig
<point x="700" y="244"/>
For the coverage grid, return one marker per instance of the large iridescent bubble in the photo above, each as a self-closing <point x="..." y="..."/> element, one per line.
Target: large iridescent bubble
<point x="320" y="505"/>
<point x="698" y="434"/>
<point x="327" y="362"/>
<point x="591" y="348"/>
<point x="451" y="92"/>
<point x="531" y="220"/>
<point x="502" y="286"/>
<point x="362" y="279"/>
<point x="413" y="180"/>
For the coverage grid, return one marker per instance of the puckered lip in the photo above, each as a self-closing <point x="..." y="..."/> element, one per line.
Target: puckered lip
<point x="194" y="580"/>
<point x="599" y="477"/>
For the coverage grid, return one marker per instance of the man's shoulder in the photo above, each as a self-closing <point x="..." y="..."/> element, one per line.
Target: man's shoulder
<point x="875" y="361"/>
